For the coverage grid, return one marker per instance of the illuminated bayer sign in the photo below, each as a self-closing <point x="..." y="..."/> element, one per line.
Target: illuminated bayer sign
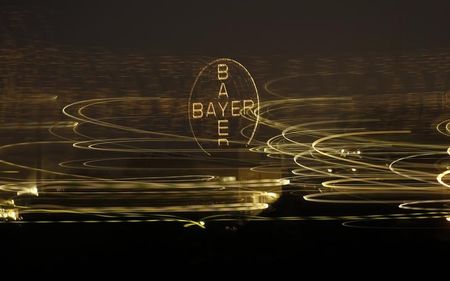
<point x="223" y="107"/>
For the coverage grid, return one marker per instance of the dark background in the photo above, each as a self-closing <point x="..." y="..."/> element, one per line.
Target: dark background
<point x="246" y="27"/>
<point x="268" y="27"/>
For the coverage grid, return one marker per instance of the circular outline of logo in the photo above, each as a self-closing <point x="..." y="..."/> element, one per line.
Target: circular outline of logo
<point x="195" y="83"/>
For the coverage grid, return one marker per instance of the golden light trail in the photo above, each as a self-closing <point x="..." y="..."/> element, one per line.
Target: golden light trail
<point x="127" y="156"/>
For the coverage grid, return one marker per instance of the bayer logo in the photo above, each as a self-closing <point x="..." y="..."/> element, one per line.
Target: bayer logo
<point x="223" y="107"/>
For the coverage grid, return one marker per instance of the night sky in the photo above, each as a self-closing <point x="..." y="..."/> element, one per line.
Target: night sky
<point x="248" y="27"/>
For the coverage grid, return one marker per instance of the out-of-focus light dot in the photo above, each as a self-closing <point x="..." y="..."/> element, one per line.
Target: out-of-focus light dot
<point x="272" y="194"/>
<point x="227" y="179"/>
<point x="285" y="181"/>
<point x="353" y="169"/>
<point x="330" y="170"/>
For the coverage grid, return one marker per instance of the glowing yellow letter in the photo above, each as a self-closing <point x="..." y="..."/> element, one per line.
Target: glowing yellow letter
<point x="223" y="107"/>
<point x="234" y="108"/>
<point x="250" y="106"/>
<point x="219" y="141"/>
<point x="223" y="90"/>
<point x="211" y="110"/>
<point x="222" y="71"/>
<point x="197" y="107"/>
<point x="222" y="127"/>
